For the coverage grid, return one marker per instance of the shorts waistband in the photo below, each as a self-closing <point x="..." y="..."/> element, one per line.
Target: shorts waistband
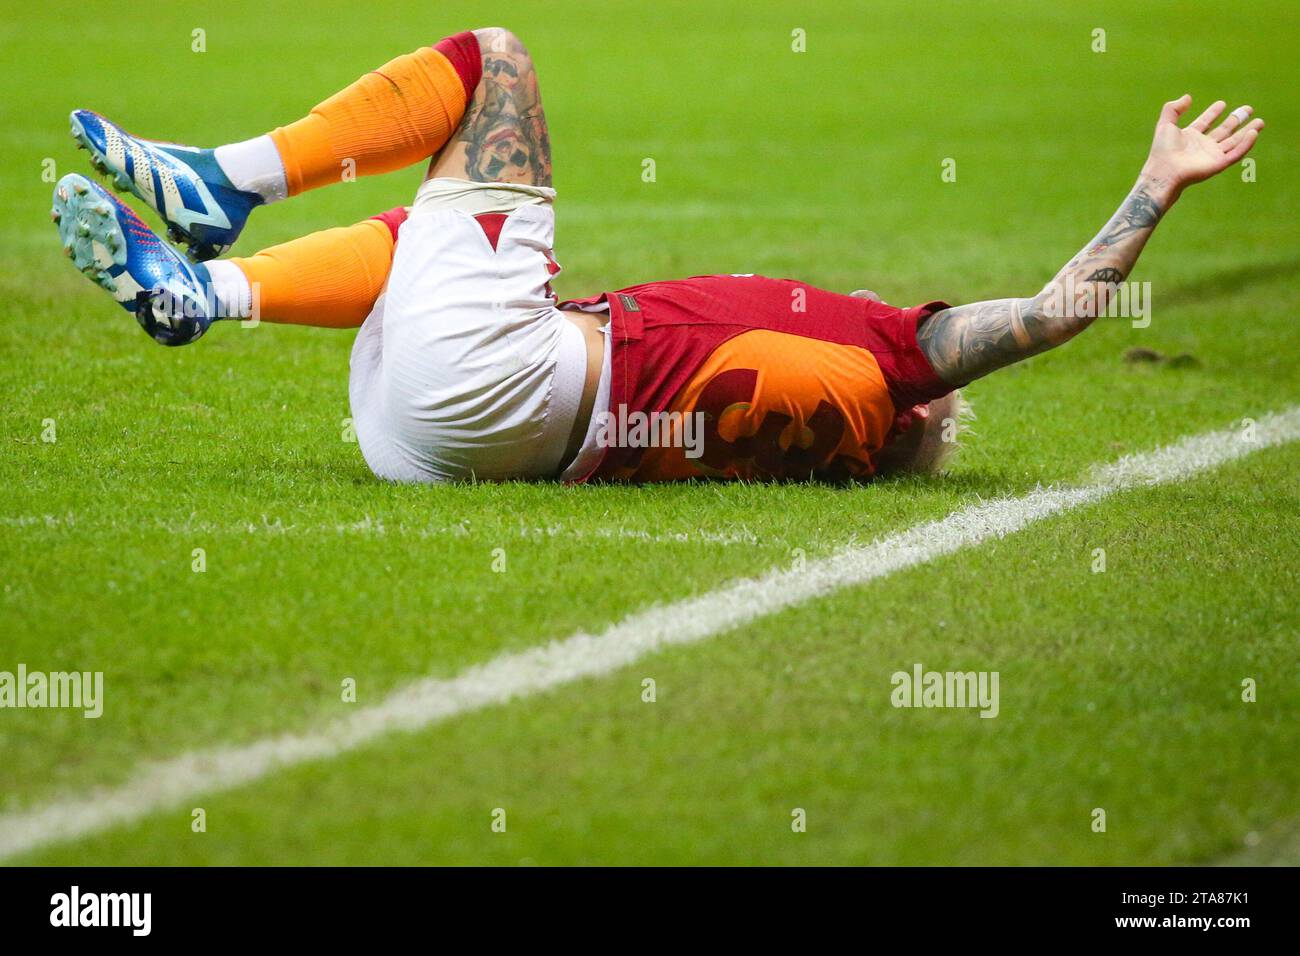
<point x="478" y="198"/>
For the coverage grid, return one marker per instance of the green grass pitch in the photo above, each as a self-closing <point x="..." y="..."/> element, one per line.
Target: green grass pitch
<point x="1119" y="690"/>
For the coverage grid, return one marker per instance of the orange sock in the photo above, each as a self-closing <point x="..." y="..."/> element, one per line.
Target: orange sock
<point x="329" y="278"/>
<point x="390" y="118"/>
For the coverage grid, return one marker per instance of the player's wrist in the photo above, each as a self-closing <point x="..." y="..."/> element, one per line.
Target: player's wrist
<point x="1160" y="183"/>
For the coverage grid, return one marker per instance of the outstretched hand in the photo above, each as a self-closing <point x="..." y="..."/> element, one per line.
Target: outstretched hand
<point x="1181" y="156"/>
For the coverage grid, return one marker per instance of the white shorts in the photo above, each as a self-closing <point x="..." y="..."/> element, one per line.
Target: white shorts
<point x="465" y="369"/>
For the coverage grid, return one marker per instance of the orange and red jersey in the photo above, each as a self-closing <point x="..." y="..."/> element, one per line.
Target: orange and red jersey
<point x="784" y="380"/>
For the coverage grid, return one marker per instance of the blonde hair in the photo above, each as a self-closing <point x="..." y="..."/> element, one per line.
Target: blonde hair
<point x="928" y="447"/>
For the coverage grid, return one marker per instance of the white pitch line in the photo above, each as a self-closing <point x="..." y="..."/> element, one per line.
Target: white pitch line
<point x="158" y="786"/>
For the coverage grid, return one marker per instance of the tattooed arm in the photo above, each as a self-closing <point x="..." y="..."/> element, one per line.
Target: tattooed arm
<point x="969" y="341"/>
<point x="503" y="135"/>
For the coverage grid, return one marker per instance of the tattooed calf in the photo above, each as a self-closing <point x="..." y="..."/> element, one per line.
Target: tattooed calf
<point x="503" y="135"/>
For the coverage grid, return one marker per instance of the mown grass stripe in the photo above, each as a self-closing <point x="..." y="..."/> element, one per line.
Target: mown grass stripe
<point x="159" y="785"/>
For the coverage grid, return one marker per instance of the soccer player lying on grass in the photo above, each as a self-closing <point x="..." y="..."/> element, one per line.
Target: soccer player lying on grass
<point x="467" y="366"/>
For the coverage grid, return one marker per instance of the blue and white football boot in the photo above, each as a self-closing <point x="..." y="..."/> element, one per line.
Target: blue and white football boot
<point x="183" y="184"/>
<point x="171" y="299"/>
